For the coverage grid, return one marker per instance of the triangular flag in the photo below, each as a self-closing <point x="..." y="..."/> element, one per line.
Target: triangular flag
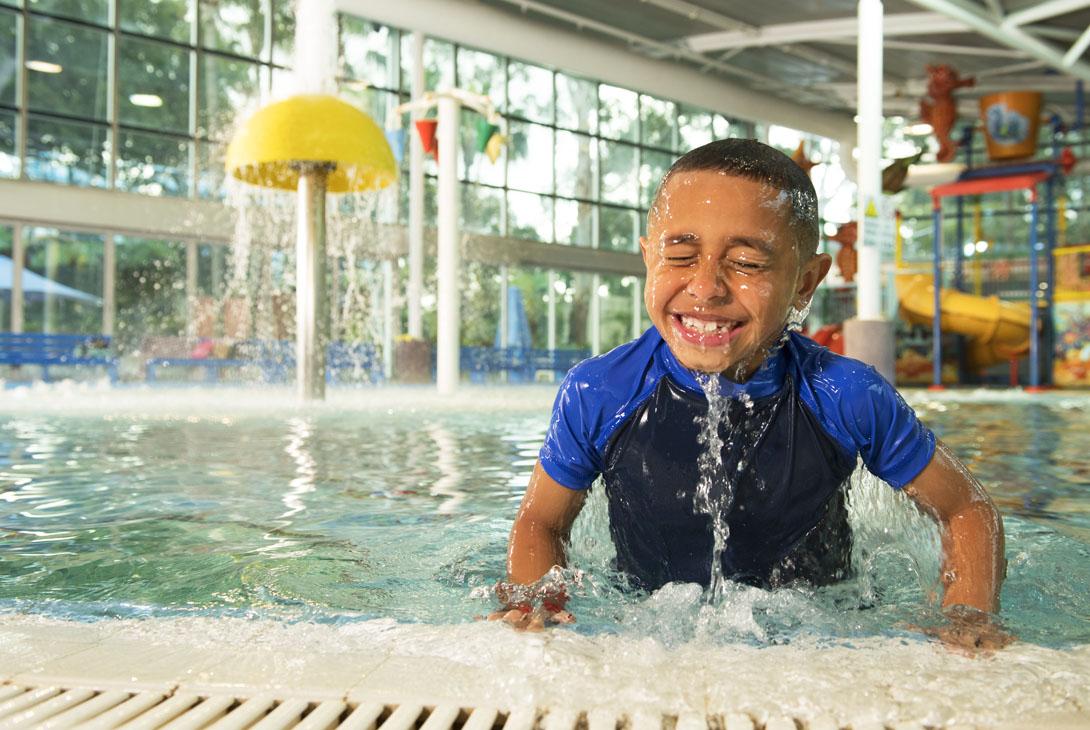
<point x="426" y="128"/>
<point x="494" y="148"/>
<point x="396" y="139"/>
<point x="485" y="130"/>
<point x="872" y="209"/>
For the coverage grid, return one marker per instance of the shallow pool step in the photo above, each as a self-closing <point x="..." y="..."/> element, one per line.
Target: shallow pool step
<point x="52" y="708"/>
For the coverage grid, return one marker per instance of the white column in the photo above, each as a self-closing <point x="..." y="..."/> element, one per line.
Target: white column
<point x="637" y="307"/>
<point x="311" y="297"/>
<point x="18" y="261"/>
<point x="449" y="299"/>
<point x="192" y="271"/>
<point x="388" y="322"/>
<point x="595" y="316"/>
<point x="551" y="331"/>
<point x="505" y="314"/>
<point x="52" y="253"/>
<point x="869" y="175"/>
<point x="109" y="284"/>
<point x="416" y="198"/>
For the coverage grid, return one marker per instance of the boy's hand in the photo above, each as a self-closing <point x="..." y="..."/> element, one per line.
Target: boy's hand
<point x="535" y="620"/>
<point x="969" y="631"/>
<point x="533" y="607"/>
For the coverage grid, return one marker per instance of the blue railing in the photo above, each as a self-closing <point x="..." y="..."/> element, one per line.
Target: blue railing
<point x="520" y="363"/>
<point x="51" y="350"/>
<point x="274" y="362"/>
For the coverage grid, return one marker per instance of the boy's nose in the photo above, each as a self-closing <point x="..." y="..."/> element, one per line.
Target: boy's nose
<point x="708" y="281"/>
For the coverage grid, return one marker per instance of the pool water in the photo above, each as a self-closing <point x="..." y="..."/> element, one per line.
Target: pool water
<point x="388" y="504"/>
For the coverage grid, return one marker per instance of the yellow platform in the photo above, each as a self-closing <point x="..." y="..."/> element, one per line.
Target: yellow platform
<point x="997" y="330"/>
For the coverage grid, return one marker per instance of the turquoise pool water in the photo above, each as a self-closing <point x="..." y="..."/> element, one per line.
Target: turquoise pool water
<point x="388" y="504"/>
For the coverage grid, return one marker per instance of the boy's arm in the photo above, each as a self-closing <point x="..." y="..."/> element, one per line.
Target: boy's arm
<point x="972" y="533"/>
<point x="973" y="564"/>
<point x="541" y="527"/>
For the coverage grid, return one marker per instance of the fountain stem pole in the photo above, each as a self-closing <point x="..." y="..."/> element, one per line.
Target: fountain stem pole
<point x="448" y="264"/>
<point x="311" y="303"/>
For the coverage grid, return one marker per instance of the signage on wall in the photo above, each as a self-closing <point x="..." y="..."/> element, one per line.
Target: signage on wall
<point x="879" y="223"/>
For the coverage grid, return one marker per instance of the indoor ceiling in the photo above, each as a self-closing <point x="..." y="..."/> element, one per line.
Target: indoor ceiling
<point x="805" y="50"/>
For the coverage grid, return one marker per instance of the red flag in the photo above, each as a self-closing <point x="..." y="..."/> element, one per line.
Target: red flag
<point x="426" y="128"/>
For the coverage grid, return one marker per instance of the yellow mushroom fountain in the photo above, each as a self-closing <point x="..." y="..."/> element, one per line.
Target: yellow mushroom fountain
<point x="314" y="144"/>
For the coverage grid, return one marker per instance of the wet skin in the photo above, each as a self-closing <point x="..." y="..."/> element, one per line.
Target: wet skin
<point x="724" y="271"/>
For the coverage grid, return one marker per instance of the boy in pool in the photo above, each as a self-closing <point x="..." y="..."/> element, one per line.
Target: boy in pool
<point x="731" y="257"/>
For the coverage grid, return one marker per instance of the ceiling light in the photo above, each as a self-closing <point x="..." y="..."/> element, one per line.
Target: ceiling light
<point x="919" y="129"/>
<point x="153" y="101"/>
<point x="44" y="67"/>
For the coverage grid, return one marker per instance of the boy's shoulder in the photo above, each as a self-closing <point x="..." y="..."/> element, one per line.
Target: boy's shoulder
<point x="821" y="369"/>
<point x="623" y="364"/>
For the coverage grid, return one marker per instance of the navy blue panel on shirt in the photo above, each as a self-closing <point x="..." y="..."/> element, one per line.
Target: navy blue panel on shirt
<point x="633" y="415"/>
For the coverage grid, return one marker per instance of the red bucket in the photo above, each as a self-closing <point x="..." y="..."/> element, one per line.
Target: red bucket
<point x="1011" y="119"/>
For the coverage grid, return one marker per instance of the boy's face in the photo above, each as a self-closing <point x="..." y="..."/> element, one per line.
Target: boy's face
<point x="723" y="271"/>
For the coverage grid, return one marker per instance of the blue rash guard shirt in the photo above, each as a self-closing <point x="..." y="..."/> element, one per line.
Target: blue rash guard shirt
<point x="791" y="437"/>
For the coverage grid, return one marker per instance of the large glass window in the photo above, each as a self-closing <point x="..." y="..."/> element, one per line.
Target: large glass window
<point x="576" y="103"/>
<point x="658" y="122"/>
<point x="366" y="52"/>
<point x="620" y="178"/>
<point x="172" y="19"/>
<point x="529" y="216"/>
<point x="9" y="62"/>
<point x="620" y="115"/>
<point x="71" y="153"/>
<point x="530" y="92"/>
<point x="530" y="159"/>
<point x="73" y="260"/>
<point x="576" y="166"/>
<point x="154" y="80"/>
<point x="153" y="164"/>
<point x="228" y="87"/>
<point x="9" y="156"/>
<point x="67" y="67"/>
<point x="481" y="73"/>
<point x="150" y="281"/>
<point x="94" y="11"/>
<point x="235" y="26"/>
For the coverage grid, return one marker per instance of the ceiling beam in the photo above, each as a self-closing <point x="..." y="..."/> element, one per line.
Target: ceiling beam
<point x="521" y="35"/>
<point x="822" y="30"/>
<point x="1077" y="48"/>
<point x="1040" y="11"/>
<point x="976" y="18"/>
<point x="956" y="50"/>
<point x="698" y="14"/>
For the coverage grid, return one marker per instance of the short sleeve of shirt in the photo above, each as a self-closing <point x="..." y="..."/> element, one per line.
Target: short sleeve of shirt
<point x="891" y="440"/>
<point x="569" y="454"/>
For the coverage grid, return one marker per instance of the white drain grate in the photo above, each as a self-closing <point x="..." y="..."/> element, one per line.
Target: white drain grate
<point x="48" y="708"/>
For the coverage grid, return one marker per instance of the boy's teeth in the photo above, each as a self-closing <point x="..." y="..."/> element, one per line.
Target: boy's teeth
<point x="702" y="325"/>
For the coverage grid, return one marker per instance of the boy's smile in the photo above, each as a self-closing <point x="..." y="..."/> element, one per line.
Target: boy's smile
<point x="723" y="270"/>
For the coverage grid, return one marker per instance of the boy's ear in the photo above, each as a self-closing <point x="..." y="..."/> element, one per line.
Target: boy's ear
<point x="644" y="252"/>
<point x="812" y="274"/>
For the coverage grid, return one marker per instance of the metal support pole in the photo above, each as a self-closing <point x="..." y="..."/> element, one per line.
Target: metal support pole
<point x="637" y="307"/>
<point x="505" y="313"/>
<point x="1050" y="272"/>
<point x="936" y="320"/>
<point x="311" y="302"/>
<point x="52" y="254"/>
<point x="18" y="261"/>
<point x="389" y="324"/>
<point x="109" y="284"/>
<point x="449" y="299"/>
<point x="1034" y="295"/>
<point x="595" y="316"/>
<point x="869" y="277"/>
<point x="416" y="199"/>
<point x="192" y="263"/>
<point x="551" y="323"/>
<point x="959" y="252"/>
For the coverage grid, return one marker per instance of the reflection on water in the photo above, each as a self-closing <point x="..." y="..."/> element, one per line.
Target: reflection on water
<point x="404" y="514"/>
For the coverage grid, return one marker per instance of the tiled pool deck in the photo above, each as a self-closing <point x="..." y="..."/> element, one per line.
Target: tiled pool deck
<point x="873" y="683"/>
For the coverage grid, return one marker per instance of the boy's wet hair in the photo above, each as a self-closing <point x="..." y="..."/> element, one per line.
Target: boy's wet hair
<point x="753" y="160"/>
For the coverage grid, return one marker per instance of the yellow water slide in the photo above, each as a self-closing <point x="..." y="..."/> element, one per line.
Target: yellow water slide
<point x="997" y="330"/>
